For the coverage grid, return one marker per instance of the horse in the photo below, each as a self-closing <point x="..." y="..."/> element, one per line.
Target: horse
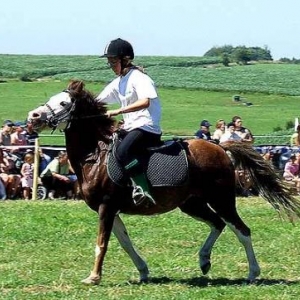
<point x="208" y="194"/>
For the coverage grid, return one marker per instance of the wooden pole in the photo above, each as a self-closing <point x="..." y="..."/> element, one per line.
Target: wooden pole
<point x="35" y="169"/>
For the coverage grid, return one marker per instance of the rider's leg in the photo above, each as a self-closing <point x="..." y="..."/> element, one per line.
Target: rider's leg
<point x="132" y="146"/>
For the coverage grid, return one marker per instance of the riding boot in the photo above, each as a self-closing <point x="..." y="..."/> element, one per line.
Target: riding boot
<point x="140" y="185"/>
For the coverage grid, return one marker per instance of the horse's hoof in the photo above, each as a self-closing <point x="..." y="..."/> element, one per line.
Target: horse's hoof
<point x="144" y="280"/>
<point x="91" y="280"/>
<point x="205" y="268"/>
<point x="252" y="278"/>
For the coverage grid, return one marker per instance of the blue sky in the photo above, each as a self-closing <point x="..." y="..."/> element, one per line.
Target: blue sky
<point x="154" y="27"/>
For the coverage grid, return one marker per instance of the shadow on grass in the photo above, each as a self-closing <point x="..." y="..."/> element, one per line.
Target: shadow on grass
<point x="207" y="282"/>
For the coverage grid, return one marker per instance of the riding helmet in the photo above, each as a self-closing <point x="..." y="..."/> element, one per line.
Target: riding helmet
<point x="118" y="48"/>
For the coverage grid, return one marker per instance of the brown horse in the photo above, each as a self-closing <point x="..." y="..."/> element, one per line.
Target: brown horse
<point x="208" y="195"/>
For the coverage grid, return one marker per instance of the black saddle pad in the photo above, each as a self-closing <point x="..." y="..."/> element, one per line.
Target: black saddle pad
<point x="166" y="166"/>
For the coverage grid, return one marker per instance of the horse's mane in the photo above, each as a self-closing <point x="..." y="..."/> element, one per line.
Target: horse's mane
<point x="86" y="107"/>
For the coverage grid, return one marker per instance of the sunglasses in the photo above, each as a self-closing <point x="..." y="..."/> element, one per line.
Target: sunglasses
<point x="112" y="63"/>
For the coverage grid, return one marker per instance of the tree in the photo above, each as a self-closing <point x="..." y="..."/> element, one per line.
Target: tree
<point x="242" y="55"/>
<point x="225" y="59"/>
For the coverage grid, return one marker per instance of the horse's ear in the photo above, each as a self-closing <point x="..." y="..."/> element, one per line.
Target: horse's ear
<point x="76" y="85"/>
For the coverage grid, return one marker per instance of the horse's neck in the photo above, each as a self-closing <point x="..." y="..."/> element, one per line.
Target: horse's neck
<point x="83" y="148"/>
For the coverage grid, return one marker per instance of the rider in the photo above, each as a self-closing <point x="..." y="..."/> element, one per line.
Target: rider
<point x="140" y="106"/>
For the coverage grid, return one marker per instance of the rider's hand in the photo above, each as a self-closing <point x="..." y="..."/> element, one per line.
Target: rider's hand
<point x="114" y="112"/>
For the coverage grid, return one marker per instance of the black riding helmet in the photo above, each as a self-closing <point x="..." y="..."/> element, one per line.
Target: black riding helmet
<point x="118" y="48"/>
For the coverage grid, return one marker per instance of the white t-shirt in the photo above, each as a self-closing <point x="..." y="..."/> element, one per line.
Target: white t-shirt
<point x="126" y="90"/>
<point x="230" y="136"/>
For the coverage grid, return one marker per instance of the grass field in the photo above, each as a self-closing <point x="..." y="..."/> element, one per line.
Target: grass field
<point x="176" y="72"/>
<point x="191" y="89"/>
<point x="47" y="248"/>
<point x="182" y="109"/>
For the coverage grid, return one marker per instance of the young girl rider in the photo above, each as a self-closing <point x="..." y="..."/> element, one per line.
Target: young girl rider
<point x="140" y="106"/>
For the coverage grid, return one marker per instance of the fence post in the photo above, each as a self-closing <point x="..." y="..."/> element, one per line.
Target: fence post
<point x="35" y="169"/>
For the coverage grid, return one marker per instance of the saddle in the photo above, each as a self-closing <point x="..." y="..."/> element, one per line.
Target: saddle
<point x="165" y="165"/>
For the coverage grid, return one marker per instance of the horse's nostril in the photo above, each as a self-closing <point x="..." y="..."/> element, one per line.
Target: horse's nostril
<point x="36" y="115"/>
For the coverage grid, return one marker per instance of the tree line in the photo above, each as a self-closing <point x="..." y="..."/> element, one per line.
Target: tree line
<point x="240" y="54"/>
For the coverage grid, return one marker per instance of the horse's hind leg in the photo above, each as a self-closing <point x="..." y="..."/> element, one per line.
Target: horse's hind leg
<point x="226" y="209"/>
<point x="199" y="210"/>
<point x="121" y="234"/>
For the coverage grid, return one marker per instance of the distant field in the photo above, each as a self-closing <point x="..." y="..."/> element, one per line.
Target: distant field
<point x="178" y="72"/>
<point x="191" y="89"/>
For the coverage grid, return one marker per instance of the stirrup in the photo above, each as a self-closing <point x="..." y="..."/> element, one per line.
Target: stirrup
<point x="139" y="196"/>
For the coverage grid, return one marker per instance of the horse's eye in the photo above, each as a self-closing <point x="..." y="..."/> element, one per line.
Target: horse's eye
<point x="63" y="103"/>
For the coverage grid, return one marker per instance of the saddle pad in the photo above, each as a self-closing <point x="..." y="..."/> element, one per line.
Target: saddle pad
<point x="167" y="166"/>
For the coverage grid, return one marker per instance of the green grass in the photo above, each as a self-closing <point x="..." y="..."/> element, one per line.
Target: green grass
<point x="48" y="247"/>
<point x="182" y="109"/>
<point x="191" y="89"/>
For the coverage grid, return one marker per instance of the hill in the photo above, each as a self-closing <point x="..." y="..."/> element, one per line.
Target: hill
<point x="200" y="73"/>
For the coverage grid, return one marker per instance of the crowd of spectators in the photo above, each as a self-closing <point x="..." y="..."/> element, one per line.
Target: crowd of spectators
<point x="287" y="165"/>
<point x="232" y="131"/>
<point x="17" y="141"/>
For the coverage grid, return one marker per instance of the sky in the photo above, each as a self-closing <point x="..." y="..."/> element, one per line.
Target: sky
<point x="153" y="27"/>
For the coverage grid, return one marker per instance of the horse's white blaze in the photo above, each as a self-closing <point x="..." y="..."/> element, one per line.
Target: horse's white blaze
<point x="56" y="101"/>
<point x="55" y="104"/>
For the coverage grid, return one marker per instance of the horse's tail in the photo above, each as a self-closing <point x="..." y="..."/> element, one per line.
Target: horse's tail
<point x="267" y="182"/>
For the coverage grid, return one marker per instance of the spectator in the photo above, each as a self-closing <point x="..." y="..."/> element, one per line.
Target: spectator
<point x="243" y="132"/>
<point x="204" y="133"/>
<point x="295" y="138"/>
<point x="268" y="156"/>
<point x="30" y="134"/>
<point x="2" y="190"/>
<point x="220" y="130"/>
<point x="5" y="134"/>
<point x="44" y="160"/>
<point x="27" y="175"/>
<point x="242" y="178"/>
<point x="8" y="173"/>
<point x="230" y="134"/>
<point x="18" y="137"/>
<point x="291" y="172"/>
<point x="58" y="176"/>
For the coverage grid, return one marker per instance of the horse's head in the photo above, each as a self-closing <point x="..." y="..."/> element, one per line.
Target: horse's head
<point x="53" y="114"/>
<point x="74" y="107"/>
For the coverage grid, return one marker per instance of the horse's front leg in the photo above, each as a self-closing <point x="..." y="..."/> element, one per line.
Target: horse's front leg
<point x="121" y="234"/>
<point x="106" y="219"/>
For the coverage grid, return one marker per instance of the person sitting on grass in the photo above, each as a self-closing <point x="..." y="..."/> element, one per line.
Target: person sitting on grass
<point x="59" y="175"/>
<point x="291" y="172"/>
<point x="9" y="174"/>
<point x="204" y="133"/>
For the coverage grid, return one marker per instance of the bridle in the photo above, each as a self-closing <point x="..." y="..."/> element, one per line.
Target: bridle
<point x="65" y="114"/>
<point x="62" y="115"/>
